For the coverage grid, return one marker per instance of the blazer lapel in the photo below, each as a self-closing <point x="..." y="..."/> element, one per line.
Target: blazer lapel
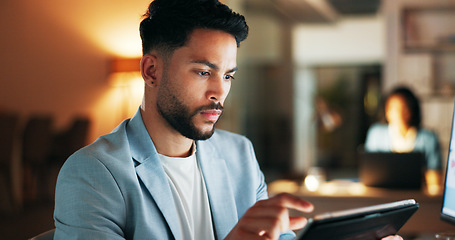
<point x="219" y="190"/>
<point x="151" y="172"/>
<point x="152" y="175"/>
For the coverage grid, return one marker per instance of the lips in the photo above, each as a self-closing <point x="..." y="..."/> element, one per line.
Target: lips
<point x="211" y="115"/>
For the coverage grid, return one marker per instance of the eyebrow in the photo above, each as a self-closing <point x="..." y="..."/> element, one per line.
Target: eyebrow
<point x="213" y="66"/>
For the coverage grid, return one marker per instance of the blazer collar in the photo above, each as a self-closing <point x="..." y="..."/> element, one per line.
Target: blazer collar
<point x="151" y="172"/>
<point x="214" y="171"/>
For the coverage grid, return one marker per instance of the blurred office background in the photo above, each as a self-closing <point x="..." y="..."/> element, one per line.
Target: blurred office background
<point x="310" y="80"/>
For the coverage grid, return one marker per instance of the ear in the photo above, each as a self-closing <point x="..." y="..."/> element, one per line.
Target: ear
<point x="151" y="68"/>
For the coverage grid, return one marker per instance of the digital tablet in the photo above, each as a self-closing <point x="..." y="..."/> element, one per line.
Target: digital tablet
<point x="372" y="222"/>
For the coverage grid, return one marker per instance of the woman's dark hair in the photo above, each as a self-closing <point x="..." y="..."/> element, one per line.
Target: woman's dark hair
<point x="411" y="101"/>
<point x="168" y="23"/>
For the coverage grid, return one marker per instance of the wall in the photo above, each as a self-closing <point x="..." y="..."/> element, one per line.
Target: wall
<point x="56" y="58"/>
<point x="349" y="40"/>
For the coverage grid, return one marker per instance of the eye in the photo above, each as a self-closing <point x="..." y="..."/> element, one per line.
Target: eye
<point x="229" y="77"/>
<point x="203" y="73"/>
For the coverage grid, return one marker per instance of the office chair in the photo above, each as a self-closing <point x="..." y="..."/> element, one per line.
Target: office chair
<point x="70" y="140"/>
<point x="48" y="235"/>
<point x="36" y="146"/>
<point x="9" y="123"/>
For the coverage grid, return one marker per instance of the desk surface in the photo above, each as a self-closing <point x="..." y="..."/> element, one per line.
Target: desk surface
<point x="339" y="195"/>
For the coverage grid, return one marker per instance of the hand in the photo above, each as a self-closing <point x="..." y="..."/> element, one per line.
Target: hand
<point x="395" y="237"/>
<point x="268" y="218"/>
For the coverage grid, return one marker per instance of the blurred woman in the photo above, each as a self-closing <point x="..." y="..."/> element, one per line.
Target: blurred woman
<point x="403" y="132"/>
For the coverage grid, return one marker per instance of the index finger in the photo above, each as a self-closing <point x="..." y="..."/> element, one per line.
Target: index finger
<point x="289" y="201"/>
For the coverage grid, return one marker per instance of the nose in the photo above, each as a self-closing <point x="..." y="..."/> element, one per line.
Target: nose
<point x="218" y="88"/>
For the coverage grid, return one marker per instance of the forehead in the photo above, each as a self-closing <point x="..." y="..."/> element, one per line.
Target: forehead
<point x="396" y="100"/>
<point x="214" y="46"/>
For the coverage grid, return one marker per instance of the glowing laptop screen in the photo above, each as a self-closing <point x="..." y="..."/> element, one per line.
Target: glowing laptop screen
<point x="448" y="204"/>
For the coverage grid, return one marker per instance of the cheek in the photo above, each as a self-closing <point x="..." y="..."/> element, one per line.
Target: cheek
<point x="227" y="89"/>
<point x="390" y="113"/>
<point x="394" y="115"/>
<point x="189" y="94"/>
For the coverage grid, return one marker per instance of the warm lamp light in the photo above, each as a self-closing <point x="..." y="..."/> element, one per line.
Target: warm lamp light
<point x="127" y="84"/>
<point x="314" y="179"/>
<point x="312" y="183"/>
<point x="433" y="182"/>
<point x="126" y="65"/>
<point x="124" y="70"/>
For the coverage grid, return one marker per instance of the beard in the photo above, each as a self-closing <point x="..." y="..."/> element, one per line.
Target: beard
<point x="179" y="115"/>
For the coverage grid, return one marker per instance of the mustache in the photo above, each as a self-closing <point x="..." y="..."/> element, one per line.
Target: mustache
<point x="211" y="106"/>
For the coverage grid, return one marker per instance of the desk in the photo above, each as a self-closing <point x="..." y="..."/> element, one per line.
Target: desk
<point x="345" y="195"/>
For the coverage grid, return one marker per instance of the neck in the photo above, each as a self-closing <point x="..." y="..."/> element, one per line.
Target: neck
<point x="403" y="129"/>
<point x="166" y="139"/>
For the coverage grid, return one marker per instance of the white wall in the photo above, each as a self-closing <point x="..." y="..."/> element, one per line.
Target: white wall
<point x="349" y="40"/>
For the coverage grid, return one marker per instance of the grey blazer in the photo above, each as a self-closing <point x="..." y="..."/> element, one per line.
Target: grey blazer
<point x="116" y="188"/>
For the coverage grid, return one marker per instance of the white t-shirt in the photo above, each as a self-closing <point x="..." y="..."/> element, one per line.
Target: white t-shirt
<point x="190" y="196"/>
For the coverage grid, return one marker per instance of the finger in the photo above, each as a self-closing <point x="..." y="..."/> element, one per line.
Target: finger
<point x="281" y="203"/>
<point x="289" y="201"/>
<point x="280" y="215"/>
<point x="264" y="227"/>
<point x="394" y="237"/>
<point x="259" y="210"/>
<point x="268" y="218"/>
<point x="296" y="223"/>
<point x="241" y="234"/>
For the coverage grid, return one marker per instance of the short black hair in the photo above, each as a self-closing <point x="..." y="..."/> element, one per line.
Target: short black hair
<point x="168" y="23"/>
<point x="412" y="102"/>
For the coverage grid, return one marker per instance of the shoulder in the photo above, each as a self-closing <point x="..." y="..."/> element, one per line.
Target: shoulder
<point x="378" y="127"/>
<point x="228" y="143"/>
<point x="427" y="134"/>
<point x="378" y="130"/>
<point x="226" y="137"/>
<point x="107" y="153"/>
<point x="93" y="175"/>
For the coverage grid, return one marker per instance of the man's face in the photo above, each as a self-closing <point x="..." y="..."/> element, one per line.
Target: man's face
<point x="196" y="81"/>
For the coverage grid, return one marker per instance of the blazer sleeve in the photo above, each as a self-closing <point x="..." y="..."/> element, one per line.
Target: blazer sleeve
<point x="89" y="203"/>
<point x="261" y="190"/>
<point x="262" y="193"/>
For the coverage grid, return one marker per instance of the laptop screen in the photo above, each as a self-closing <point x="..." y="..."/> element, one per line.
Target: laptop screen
<point x="448" y="204"/>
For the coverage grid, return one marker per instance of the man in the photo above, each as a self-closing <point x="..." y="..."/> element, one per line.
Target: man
<point x="166" y="173"/>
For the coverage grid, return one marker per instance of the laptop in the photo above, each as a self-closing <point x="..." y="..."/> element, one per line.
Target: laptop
<point x="448" y="202"/>
<point x="392" y="170"/>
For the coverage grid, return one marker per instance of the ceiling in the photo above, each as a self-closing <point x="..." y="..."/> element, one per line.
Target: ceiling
<point x="314" y="11"/>
<point x="353" y="7"/>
